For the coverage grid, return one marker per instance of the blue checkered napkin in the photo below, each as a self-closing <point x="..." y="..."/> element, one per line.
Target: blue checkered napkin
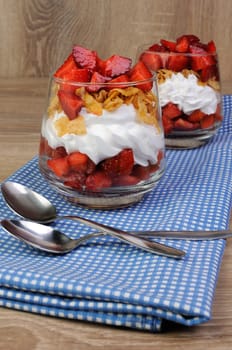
<point x="109" y="282"/>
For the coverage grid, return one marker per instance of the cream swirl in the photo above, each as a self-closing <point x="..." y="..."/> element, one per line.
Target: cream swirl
<point x="108" y="134"/>
<point x="188" y="94"/>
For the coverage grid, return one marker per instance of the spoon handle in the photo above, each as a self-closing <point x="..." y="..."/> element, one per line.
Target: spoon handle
<point x="140" y="242"/>
<point x="188" y="235"/>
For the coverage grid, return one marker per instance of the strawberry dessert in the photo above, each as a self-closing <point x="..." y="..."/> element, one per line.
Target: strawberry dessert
<point x="189" y="87"/>
<point x="102" y="143"/>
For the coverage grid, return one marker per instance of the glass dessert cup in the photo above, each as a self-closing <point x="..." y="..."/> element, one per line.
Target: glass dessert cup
<point x="189" y="94"/>
<point x="110" y="153"/>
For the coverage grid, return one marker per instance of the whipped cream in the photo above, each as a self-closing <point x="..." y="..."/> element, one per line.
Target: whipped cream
<point x="188" y="94"/>
<point x="109" y="134"/>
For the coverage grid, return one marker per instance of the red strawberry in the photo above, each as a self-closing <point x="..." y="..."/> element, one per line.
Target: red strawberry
<point x="152" y="60"/>
<point x="171" y="110"/>
<point x="116" y="65"/>
<point x="202" y="59"/>
<point x="141" y="172"/>
<point x="66" y="67"/>
<point x="207" y="121"/>
<point x="192" y="39"/>
<point x="168" y="124"/>
<point x="182" y="124"/>
<point x="44" y="148"/>
<point x="75" y="180"/>
<point x="98" y="180"/>
<point x="211" y="47"/>
<point x="59" y="166"/>
<point x="196" y="116"/>
<point x="158" y="48"/>
<point x="120" y="80"/>
<point x="170" y="45"/>
<point x="78" y="161"/>
<point x="209" y="73"/>
<point x="71" y="104"/>
<point x="58" y="152"/>
<point x="75" y="75"/>
<point x="177" y="62"/>
<point x="85" y="58"/>
<point x="182" y="44"/>
<point x="141" y="72"/>
<point x="125" y="180"/>
<point x="95" y="80"/>
<point x="121" y="164"/>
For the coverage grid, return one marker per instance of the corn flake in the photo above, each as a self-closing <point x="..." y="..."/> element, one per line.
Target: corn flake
<point x="66" y="126"/>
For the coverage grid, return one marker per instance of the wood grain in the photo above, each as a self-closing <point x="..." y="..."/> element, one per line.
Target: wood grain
<point x="36" y="35"/>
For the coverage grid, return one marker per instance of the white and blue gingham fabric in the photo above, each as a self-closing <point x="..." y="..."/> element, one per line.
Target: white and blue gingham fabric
<point x="109" y="282"/>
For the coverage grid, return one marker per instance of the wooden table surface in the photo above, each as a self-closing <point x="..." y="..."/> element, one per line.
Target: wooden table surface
<point x="22" y="103"/>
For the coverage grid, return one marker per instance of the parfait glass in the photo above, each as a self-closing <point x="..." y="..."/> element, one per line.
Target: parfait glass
<point x="189" y="93"/>
<point x="102" y="144"/>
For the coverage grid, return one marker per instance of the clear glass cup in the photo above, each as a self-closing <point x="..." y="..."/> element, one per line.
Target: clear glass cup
<point x="189" y="93"/>
<point x="102" y="145"/>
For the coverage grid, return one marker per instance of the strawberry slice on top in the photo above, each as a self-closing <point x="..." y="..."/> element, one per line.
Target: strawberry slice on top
<point x="202" y="58"/>
<point x="152" y="60"/>
<point x="68" y="65"/>
<point x="115" y="65"/>
<point x="85" y="58"/>
<point x="140" y="72"/>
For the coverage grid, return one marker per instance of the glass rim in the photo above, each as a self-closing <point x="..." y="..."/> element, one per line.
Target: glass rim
<point x="115" y="84"/>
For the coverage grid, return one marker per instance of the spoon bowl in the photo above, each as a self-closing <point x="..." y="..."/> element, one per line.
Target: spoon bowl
<point x="33" y="206"/>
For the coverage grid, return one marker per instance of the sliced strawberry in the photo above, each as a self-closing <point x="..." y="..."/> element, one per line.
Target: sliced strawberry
<point x="171" y="110"/>
<point x="66" y="67"/>
<point x="207" y="121"/>
<point x="58" y="152"/>
<point x="211" y="47"/>
<point x="98" y="180"/>
<point x="70" y="104"/>
<point x="210" y="72"/>
<point x="125" y="180"/>
<point x="118" y="82"/>
<point x="158" y="48"/>
<point x="141" y="172"/>
<point x="85" y="58"/>
<point x="177" y="62"/>
<point x="116" y="65"/>
<point x="196" y="116"/>
<point x="152" y="60"/>
<point x="192" y="39"/>
<point x="78" y="161"/>
<point x="170" y="45"/>
<point x="75" y="180"/>
<point x="182" y="44"/>
<point x="182" y="124"/>
<point x="168" y="124"/>
<point x="96" y="79"/>
<point x="75" y="75"/>
<point x="44" y="148"/>
<point x="139" y="73"/>
<point x="121" y="164"/>
<point x="59" y="166"/>
<point x="202" y="59"/>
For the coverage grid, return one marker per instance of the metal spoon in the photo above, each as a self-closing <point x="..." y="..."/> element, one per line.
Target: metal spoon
<point x="50" y="240"/>
<point x="31" y="205"/>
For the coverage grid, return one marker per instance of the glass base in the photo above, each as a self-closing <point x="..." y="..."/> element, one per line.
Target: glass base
<point x="110" y="198"/>
<point x="189" y="140"/>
